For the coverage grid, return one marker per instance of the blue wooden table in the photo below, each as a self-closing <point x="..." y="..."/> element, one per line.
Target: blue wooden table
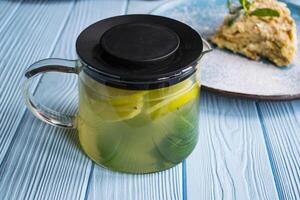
<point x="247" y="149"/>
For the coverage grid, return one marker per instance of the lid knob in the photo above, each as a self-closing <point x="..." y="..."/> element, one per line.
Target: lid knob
<point x="137" y="43"/>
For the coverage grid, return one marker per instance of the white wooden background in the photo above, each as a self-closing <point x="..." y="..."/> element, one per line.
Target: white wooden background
<point x="247" y="149"/>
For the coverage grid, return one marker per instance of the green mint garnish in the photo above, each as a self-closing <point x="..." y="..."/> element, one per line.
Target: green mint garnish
<point x="265" y="12"/>
<point x="244" y="8"/>
<point x="245" y="4"/>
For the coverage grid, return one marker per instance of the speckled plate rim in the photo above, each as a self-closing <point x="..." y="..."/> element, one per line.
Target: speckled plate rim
<point x="251" y="96"/>
<point x="232" y="93"/>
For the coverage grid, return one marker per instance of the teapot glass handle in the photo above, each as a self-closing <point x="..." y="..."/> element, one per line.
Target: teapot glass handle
<point x="208" y="47"/>
<point x="40" y="111"/>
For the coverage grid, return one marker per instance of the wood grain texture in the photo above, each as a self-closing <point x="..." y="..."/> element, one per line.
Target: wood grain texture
<point x="8" y="10"/>
<point x="38" y="161"/>
<point x="281" y="121"/>
<point x="144" y="7"/>
<point x="230" y="161"/>
<point x="43" y="162"/>
<point x="166" y="185"/>
<point x="29" y="36"/>
<point x="293" y="1"/>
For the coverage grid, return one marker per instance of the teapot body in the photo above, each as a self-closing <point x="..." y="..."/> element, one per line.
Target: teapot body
<point x="138" y="131"/>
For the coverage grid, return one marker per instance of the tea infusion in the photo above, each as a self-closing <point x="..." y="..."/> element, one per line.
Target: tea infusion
<point x="138" y="131"/>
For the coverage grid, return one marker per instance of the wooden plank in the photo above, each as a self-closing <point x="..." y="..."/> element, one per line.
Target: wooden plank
<point x="8" y="10"/>
<point x="281" y="122"/>
<point x="296" y="109"/>
<point x="144" y="7"/>
<point x="43" y="165"/>
<point x="230" y="161"/>
<point x="44" y="162"/>
<point x="292" y="1"/>
<point x="28" y="37"/>
<point x="110" y="185"/>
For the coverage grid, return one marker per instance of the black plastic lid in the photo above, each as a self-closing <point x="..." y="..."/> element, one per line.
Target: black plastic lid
<point x="139" y="51"/>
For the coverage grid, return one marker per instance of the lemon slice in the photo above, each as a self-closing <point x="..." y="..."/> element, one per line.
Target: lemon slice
<point x="108" y="103"/>
<point x="163" y="93"/>
<point x="99" y="108"/>
<point x="104" y="111"/>
<point x="116" y="96"/>
<point x="183" y="96"/>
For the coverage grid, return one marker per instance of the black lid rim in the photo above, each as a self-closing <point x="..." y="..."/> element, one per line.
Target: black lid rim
<point x="163" y="82"/>
<point x="147" y="81"/>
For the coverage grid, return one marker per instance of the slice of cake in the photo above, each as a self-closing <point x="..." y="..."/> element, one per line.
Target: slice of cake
<point x="271" y="37"/>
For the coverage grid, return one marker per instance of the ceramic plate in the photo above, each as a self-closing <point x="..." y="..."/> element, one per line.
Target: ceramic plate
<point x="232" y="74"/>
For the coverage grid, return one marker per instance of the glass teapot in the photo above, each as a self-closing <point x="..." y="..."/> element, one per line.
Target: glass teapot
<point x="139" y="92"/>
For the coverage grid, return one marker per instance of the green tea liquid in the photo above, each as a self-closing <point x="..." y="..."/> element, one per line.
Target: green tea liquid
<point x="138" y="132"/>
